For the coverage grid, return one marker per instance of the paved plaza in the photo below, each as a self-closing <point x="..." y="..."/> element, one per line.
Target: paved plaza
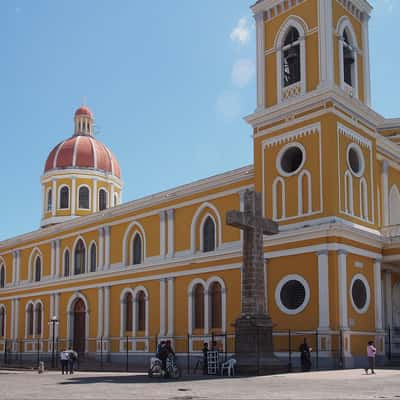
<point x="343" y="384"/>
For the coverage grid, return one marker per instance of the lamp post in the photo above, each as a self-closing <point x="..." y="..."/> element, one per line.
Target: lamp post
<point x="53" y="321"/>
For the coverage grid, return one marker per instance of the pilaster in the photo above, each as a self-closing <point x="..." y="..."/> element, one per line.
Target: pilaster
<point x="73" y="195"/>
<point x="325" y="43"/>
<point x="378" y="295"/>
<point x="261" y="83"/>
<point x="171" y="229"/>
<point x="343" y="319"/>
<point x="385" y="192"/>
<point x="171" y="307"/>
<point x="388" y="299"/>
<point x="162" y="307"/>
<point x="366" y="63"/>
<point x="107" y="247"/>
<point x="323" y="290"/>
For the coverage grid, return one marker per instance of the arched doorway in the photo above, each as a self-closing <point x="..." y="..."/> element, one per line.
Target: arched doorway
<point x="396" y="306"/>
<point x="79" y="326"/>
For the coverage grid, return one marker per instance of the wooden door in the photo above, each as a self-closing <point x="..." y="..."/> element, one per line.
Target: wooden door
<point x="79" y="326"/>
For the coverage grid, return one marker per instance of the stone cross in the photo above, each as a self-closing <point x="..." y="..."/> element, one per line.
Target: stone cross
<point x="254" y="226"/>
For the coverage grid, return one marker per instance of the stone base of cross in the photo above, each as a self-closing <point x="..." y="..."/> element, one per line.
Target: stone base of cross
<point x="253" y="329"/>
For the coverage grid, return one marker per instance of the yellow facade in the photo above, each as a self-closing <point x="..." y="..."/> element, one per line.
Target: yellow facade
<point x="329" y="175"/>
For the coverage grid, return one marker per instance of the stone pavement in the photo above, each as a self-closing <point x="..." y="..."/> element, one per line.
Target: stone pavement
<point x="325" y="385"/>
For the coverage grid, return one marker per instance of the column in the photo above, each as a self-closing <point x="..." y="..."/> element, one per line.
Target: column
<point x="378" y="294"/>
<point x="106" y="247"/>
<point x="171" y="307"/>
<point x="170" y="216"/>
<point x="162" y="306"/>
<point x="94" y="195"/>
<point x="343" y="320"/>
<point x="365" y="47"/>
<point x="14" y="267"/>
<point x="112" y="196"/>
<point x="52" y="259"/>
<point x="54" y="197"/>
<point x="51" y="314"/>
<point x="162" y="233"/>
<point x="57" y="312"/>
<point x="261" y="88"/>
<point x="16" y="318"/>
<point x="100" y="312"/>
<point x="325" y="42"/>
<point x="385" y="192"/>
<point x="323" y="289"/>
<point x="18" y="265"/>
<point x="73" y="196"/>
<point x="106" y="311"/>
<point x="12" y="326"/>
<point x="57" y="267"/>
<point x="388" y="298"/>
<point x="101" y="248"/>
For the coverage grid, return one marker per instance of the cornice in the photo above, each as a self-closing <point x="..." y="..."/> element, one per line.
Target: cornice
<point x="179" y="192"/>
<point x="63" y="173"/>
<point x="312" y="99"/>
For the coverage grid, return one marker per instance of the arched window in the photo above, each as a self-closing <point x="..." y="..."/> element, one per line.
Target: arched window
<point x="348" y="60"/>
<point x="84" y="197"/>
<point x="128" y="312"/>
<point x="79" y="259"/>
<point x="137" y="250"/>
<point x="141" y="311"/>
<point x="49" y="200"/>
<point x="198" y="306"/>
<point x="291" y="66"/>
<point x="102" y="199"/>
<point x="38" y="269"/>
<point x="208" y="235"/>
<point x="2" y="276"/>
<point x="29" y="320"/>
<point x="66" y="263"/>
<point x="2" y="321"/>
<point x="216" y="305"/>
<point x="38" y="311"/>
<point x="93" y="260"/>
<point x="64" y="197"/>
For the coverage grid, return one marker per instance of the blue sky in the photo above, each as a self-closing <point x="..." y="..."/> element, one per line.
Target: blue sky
<point x="168" y="81"/>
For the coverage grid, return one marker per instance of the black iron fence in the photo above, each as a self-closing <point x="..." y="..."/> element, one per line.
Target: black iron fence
<point x="130" y="353"/>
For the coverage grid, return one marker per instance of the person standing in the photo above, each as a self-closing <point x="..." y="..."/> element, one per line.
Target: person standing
<point x="305" y="356"/>
<point x="205" y="360"/>
<point x="64" y="361"/>
<point x="371" y="352"/>
<point x="72" y="357"/>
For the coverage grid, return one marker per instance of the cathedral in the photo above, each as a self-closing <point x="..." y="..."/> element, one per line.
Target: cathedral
<point x="116" y="277"/>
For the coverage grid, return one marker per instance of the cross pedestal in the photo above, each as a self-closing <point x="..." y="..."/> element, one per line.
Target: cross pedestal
<point x="253" y="328"/>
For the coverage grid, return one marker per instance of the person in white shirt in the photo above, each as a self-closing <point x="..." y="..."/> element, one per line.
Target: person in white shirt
<point x="64" y="356"/>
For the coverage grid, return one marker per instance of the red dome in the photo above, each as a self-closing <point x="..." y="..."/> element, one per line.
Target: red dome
<point x="82" y="152"/>
<point x="84" y="111"/>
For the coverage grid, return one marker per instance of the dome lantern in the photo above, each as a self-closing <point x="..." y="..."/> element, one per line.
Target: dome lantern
<point x="83" y="121"/>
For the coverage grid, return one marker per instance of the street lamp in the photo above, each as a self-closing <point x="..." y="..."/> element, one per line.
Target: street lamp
<point x="53" y="321"/>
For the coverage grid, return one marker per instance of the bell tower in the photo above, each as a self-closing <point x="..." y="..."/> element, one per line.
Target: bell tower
<point x="307" y="45"/>
<point x="312" y="154"/>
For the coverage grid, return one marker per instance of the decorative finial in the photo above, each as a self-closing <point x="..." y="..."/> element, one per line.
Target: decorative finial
<point x="84" y="101"/>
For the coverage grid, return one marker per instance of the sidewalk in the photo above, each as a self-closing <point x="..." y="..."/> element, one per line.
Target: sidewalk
<point x="344" y="384"/>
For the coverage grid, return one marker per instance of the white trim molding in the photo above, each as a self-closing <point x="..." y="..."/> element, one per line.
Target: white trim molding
<point x="279" y="286"/>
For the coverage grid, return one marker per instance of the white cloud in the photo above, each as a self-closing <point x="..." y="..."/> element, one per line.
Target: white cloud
<point x="243" y="72"/>
<point x="241" y="32"/>
<point x="229" y="105"/>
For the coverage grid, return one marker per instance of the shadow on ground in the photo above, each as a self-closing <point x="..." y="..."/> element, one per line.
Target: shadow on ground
<point x="133" y="379"/>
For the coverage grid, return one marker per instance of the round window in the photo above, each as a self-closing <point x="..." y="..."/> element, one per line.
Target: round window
<point x="355" y="160"/>
<point x="292" y="294"/>
<point x="291" y="160"/>
<point x="359" y="293"/>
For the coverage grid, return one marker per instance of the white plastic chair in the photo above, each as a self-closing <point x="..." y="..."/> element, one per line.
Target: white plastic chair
<point x="229" y="365"/>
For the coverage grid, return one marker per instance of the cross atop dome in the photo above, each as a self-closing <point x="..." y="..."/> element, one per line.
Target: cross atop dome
<point x="83" y="121"/>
